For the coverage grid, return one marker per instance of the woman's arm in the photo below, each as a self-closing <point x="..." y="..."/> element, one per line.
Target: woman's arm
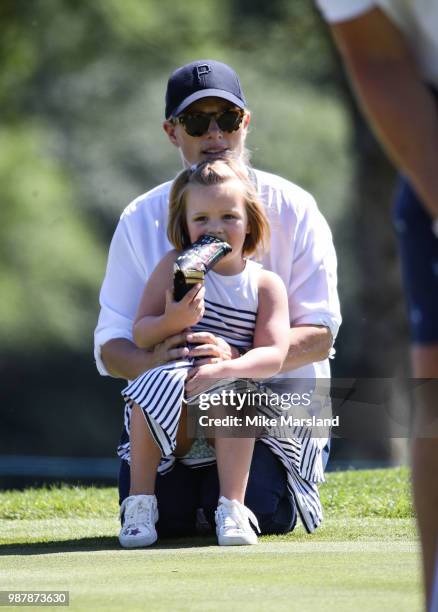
<point x="158" y="315"/>
<point x="123" y="359"/>
<point x="307" y="344"/>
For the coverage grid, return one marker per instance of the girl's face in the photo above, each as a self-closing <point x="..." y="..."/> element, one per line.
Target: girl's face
<point x="219" y="210"/>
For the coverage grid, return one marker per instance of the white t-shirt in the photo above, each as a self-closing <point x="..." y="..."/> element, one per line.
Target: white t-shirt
<point x="417" y="19"/>
<point x="301" y="253"/>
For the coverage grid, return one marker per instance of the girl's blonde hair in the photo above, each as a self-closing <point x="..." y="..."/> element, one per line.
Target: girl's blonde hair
<point x="216" y="172"/>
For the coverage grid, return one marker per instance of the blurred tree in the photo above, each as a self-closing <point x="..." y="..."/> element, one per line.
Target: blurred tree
<point x="82" y="95"/>
<point x="92" y="77"/>
<point x="50" y="262"/>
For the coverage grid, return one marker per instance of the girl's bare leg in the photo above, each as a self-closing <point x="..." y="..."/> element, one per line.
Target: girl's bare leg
<point x="183" y="441"/>
<point x="233" y="457"/>
<point x="145" y="455"/>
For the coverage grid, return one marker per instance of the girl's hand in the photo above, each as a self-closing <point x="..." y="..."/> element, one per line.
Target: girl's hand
<point x="201" y="378"/>
<point x="189" y="310"/>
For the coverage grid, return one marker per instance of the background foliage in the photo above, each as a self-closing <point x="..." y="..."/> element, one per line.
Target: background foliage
<point x="82" y="95"/>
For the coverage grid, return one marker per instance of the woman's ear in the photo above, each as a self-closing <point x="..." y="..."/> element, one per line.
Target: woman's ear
<point x="170" y="128"/>
<point x="246" y="119"/>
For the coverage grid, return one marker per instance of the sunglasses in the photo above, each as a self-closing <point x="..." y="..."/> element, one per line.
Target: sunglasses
<point x="197" y="124"/>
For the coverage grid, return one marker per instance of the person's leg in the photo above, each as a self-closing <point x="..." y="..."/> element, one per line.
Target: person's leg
<point x="177" y="492"/>
<point x="419" y="264"/>
<point x="178" y="500"/>
<point x="266" y="494"/>
<point x="209" y="491"/>
<point x="235" y="522"/>
<point x="124" y="481"/>
<point x="418" y="249"/>
<point x="183" y="440"/>
<point x="145" y="455"/>
<point x="177" y="495"/>
<point x="434" y="596"/>
<point x="425" y="360"/>
<point x="139" y="512"/>
<point x="424" y="475"/>
<point x="425" y="485"/>
<point x="233" y="457"/>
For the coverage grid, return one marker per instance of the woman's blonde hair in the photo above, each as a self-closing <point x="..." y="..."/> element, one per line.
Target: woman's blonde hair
<point x="216" y="172"/>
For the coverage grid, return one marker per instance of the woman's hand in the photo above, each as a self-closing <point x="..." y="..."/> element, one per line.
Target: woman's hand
<point x="201" y="378"/>
<point x="210" y="348"/>
<point x="171" y="349"/>
<point x="189" y="310"/>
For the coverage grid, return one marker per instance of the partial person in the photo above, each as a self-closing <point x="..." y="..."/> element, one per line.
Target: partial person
<point x="243" y="303"/>
<point x="390" y="50"/>
<point x="206" y="116"/>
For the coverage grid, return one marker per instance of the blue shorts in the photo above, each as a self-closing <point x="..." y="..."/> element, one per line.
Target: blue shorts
<point x="419" y="263"/>
<point x="183" y="490"/>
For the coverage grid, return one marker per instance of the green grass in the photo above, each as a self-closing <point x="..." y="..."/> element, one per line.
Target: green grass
<point x="366" y="493"/>
<point x="365" y="555"/>
<point x="379" y="493"/>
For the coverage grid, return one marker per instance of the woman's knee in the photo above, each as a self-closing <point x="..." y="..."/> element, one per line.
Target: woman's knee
<point x="267" y="482"/>
<point x="282" y="520"/>
<point x="267" y="493"/>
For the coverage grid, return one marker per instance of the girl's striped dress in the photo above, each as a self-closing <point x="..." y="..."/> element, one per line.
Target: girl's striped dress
<point x="231" y="304"/>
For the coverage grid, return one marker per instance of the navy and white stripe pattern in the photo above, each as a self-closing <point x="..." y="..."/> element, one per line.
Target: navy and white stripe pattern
<point x="160" y="393"/>
<point x="305" y="492"/>
<point x="309" y="461"/>
<point x="234" y="326"/>
<point x="231" y="310"/>
<point x="302" y="457"/>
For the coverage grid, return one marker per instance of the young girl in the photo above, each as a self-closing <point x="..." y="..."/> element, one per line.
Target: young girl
<point x="240" y="302"/>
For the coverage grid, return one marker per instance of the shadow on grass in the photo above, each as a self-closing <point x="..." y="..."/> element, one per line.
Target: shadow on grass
<point x="96" y="544"/>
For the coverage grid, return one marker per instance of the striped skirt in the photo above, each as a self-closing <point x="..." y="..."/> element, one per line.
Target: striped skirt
<point x="159" y="392"/>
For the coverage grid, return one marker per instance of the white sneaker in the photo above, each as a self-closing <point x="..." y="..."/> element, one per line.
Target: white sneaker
<point x="233" y="523"/>
<point x="140" y="516"/>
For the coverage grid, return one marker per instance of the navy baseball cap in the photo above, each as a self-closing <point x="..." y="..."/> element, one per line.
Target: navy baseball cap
<point x="202" y="79"/>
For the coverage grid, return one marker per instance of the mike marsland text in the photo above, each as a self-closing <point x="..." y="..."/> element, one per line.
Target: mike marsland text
<point x="264" y="421"/>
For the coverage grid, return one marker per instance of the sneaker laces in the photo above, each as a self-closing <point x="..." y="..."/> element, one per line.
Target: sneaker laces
<point x="137" y="509"/>
<point x="238" y="513"/>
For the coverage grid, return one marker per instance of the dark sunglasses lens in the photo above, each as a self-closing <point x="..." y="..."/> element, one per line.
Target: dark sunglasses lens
<point x="229" y="121"/>
<point x="196" y="125"/>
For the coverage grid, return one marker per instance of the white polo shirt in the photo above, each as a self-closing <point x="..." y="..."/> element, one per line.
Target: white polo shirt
<point x="417" y="19"/>
<point x="301" y="253"/>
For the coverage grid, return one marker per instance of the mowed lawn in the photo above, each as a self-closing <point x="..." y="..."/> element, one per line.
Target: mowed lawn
<point x="364" y="557"/>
